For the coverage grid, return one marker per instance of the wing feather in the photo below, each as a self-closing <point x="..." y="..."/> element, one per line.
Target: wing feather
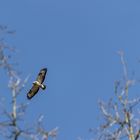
<point x="32" y="91"/>
<point x="41" y="75"/>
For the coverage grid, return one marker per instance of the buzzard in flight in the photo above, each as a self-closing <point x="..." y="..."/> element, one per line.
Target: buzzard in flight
<point x="38" y="83"/>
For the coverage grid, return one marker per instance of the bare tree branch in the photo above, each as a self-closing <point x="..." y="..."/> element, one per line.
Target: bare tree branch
<point x="10" y="126"/>
<point x="119" y="121"/>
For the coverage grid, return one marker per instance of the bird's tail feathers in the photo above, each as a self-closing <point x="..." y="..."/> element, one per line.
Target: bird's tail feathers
<point x="43" y="87"/>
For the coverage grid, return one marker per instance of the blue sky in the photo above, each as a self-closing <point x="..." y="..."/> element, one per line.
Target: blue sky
<point x="77" y="41"/>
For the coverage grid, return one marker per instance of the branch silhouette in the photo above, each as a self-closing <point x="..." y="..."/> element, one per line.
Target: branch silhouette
<point x="10" y="125"/>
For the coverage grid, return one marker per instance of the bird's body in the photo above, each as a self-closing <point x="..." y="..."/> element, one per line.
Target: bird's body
<point x="38" y="83"/>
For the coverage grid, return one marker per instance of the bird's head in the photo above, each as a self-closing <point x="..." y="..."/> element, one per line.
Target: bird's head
<point x="36" y="83"/>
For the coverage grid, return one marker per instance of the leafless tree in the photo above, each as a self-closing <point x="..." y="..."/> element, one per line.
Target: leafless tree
<point x="11" y="120"/>
<point x="120" y="115"/>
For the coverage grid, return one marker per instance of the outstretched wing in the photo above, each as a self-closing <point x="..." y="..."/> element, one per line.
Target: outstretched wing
<point x="41" y="75"/>
<point x="33" y="91"/>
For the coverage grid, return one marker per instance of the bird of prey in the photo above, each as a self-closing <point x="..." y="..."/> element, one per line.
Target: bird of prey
<point x="38" y="83"/>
